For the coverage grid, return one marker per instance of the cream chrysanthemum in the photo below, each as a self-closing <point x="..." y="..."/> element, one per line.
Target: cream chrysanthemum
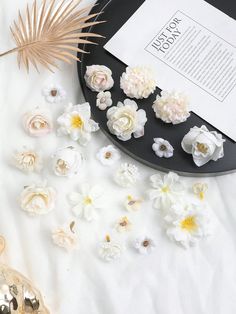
<point x="66" y="237"/>
<point x="138" y="82"/>
<point x="171" y="107"/>
<point x="126" y="175"/>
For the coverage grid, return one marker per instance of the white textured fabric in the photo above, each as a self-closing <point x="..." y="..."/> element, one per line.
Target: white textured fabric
<point x="201" y="280"/>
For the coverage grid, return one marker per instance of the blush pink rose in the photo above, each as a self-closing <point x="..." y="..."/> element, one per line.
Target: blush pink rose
<point x="37" y="122"/>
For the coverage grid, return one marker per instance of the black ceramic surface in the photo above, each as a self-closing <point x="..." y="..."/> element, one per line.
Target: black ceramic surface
<point x="116" y="13"/>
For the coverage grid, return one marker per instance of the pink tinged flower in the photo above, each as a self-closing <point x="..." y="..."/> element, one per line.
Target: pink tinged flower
<point x="37" y="122"/>
<point x="98" y="78"/>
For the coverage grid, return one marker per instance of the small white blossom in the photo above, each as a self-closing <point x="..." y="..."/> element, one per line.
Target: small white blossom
<point x="166" y="190"/>
<point x="123" y="225"/>
<point x="66" y="237"/>
<point x="108" y="155"/>
<point x="125" y="119"/>
<point x="67" y="161"/>
<point x="138" y="82"/>
<point x="144" y="245"/>
<point x="28" y="160"/>
<point x="204" y="145"/>
<point x="98" y="78"/>
<point x="87" y="201"/>
<point x="103" y="100"/>
<point x="162" y="148"/>
<point x="171" y="107"/>
<point x="127" y="175"/>
<point x="110" y="250"/>
<point x="199" y="189"/>
<point x="54" y="93"/>
<point x="133" y="204"/>
<point x="77" y="123"/>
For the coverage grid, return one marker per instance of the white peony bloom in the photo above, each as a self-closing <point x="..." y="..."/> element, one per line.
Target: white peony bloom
<point x="162" y="148"/>
<point x="127" y="175"/>
<point x="98" y="78"/>
<point x="37" y="122"/>
<point x="125" y="120"/>
<point x="199" y="189"/>
<point x="204" y="145"/>
<point x="103" y="100"/>
<point x="188" y="223"/>
<point x="166" y="190"/>
<point x="87" y="201"/>
<point x="66" y="237"/>
<point x="38" y="199"/>
<point x="108" y="155"/>
<point x="138" y="82"/>
<point x="144" y="245"/>
<point x="77" y="123"/>
<point x="67" y="161"/>
<point x="171" y="107"/>
<point x="54" y="93"/>
<point x="28" y="160"/>
<point x="123" y="225"/>
<point x="110" y="250"/>
<point x="133" y="204"/>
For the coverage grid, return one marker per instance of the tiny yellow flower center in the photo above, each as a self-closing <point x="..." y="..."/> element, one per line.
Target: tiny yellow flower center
<point x="87" y="200"/>
<point x="76" y="122"/>
<point x="165" y="189"/>
<point x="189" y="224"/>
<point x="202" y="148"/>
<point x="201" y="195"/>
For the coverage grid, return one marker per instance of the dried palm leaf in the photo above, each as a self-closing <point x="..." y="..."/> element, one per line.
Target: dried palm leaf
<point x="50" y="32"/>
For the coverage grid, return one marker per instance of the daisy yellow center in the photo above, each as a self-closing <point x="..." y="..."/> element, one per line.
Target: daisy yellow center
<point x="189" y="224"/>
<point x="165" y="189"/>
<point x="76" y="122"/>
<point x="87" y="200"/>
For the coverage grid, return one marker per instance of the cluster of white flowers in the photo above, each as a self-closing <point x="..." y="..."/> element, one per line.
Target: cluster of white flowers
<point x="186" y="220"/>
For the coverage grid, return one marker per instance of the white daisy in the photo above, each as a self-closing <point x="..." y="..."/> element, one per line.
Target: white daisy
<point x="126" y="175"/>
<point x="166" y="190"/>
<point x="110" y="250"/>
<point x="187" y="223"/>
<point x="77" y="123"/>
<point x="54" y="93"/>
<point x="103" y="100"/>
<point x="108" y="155"/>
<point x="86" y="202"/>
<point x="162" y="148"/>
<point x="144" y="245"/>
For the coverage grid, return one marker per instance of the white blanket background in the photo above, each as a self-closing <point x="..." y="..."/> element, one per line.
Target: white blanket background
<point x="201" y="280"/>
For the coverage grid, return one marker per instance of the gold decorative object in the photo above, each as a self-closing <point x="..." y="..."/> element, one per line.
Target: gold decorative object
<point x="50" y="32"/>
<point x="17" y="295"/>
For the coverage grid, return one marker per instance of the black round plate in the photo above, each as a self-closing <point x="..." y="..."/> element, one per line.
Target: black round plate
<point x="116" y="13"/>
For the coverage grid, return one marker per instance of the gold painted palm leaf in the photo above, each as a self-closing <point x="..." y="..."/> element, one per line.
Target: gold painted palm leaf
<point x="51" y="32"/>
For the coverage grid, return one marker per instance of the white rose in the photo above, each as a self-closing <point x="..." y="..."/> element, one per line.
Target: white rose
<point x="38" y="199"/>
<point x="67" y="161"/>
<point x="203" y="145"/>
<point x="125" y="120"/>
<point x="37" y="122"/>
<point x="98" y="78"/>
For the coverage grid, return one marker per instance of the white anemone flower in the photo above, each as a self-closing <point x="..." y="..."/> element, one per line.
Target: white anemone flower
<point x="108" y="155"/>
<point x="54" y="93"/>
<point x="144" y="245"/>
<point x="162" y="148"/>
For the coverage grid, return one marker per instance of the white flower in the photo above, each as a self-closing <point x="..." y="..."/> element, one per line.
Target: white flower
<point x="144" y="245"/>
<point x="87" y="201"/>
<point x="67" y="161"/>
<point x="77" y="123"/>
<point x="166" y="190"/>
<point x="108" y="155"/>
<point x="103" y="100"/>
<point x="171" y="107"/>
<point x="37" y="122"/>
<point x="133" y="204"/>
<point x="162" y="148"/>
<point x="54" y="93"/>
<point x="138" y="82"/>
<point x="66" y="237"/>
<point x="187" y="223"/>
<point x="127" y="175"/>
<point x="123" y="225"/>
<point x="28" y="160"/>
<point x="199" y="189"/>
<point x="203" y="145"/>
<point x="38" y="199"/>
<point x="98" y="78"/>
<point x="110" y="250"/>
<point x="125" y="120"/>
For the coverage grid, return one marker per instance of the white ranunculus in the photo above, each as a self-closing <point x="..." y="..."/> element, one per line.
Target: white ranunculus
<point x="98" y="78"/>
<point x="138" y="82"/>
<point x="125" y="120"/>
<point x="28" y="160"/>
<point x="204" y="145"/>
<point x="67" y="161"/>
<point x="38" y="199"/>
